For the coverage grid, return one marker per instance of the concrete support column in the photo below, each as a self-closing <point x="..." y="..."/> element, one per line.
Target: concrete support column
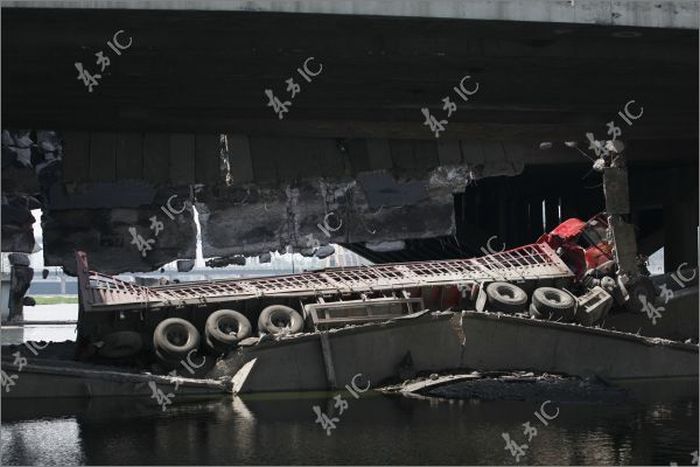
<point x="617" y="205"/>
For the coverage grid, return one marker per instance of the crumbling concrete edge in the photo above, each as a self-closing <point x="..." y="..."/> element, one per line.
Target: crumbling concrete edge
<point x="580" y="329"/>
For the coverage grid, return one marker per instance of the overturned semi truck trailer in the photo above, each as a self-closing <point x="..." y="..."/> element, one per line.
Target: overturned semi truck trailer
<point x="168" y="322"/>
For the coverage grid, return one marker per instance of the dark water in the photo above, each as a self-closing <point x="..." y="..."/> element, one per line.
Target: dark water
<point x="373" y="430"/>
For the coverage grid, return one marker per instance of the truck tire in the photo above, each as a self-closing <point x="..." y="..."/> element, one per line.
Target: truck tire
<point x="534" y="313"/>
<point x="279" y="319"/>
<point x="505" y="297"/>
<point x="174" y="338"/>
<point x="554" y="303"/>
<point x="224" y="329"/>
<point x="121" y="344"/>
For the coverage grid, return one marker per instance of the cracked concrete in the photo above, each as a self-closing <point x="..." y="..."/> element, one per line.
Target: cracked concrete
<point x="314" y="213"/>
<point x="254" y="204"/>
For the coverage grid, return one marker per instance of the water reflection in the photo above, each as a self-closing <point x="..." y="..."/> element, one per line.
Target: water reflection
<point x="373" y="430"/>
<point x="56" y="442"/>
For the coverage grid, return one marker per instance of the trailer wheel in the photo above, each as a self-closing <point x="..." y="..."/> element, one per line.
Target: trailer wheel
<point x="224" y="329"/>
<point x="121" y="344"/>
<point x="174" y="338"/>
<point x="534" y="313"/>
<point x="554" y="303"/>
<point x="506" y="297"/>
<point x="279" y="319"/>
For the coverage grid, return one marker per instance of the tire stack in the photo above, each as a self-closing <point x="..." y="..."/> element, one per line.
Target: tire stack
<point x="174" y="339"/>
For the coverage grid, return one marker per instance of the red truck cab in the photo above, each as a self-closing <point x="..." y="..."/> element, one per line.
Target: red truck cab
<point x="582" y="245"/>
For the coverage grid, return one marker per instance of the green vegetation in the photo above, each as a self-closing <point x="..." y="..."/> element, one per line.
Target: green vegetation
<point x="54" y="299"/>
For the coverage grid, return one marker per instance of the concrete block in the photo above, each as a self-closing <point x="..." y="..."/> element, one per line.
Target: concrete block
<point x="593" y="306"/>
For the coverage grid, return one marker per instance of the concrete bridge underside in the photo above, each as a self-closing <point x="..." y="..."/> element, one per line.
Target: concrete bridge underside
<point x="354" y="142"/>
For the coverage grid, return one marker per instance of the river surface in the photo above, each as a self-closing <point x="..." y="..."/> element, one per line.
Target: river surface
<point x="376" y="429"/>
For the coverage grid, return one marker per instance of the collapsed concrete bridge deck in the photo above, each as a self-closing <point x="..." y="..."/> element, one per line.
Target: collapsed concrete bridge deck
<point x="354" y="142"/>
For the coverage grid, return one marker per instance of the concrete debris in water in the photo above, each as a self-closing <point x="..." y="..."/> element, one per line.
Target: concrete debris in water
<point x="517" y="385"/>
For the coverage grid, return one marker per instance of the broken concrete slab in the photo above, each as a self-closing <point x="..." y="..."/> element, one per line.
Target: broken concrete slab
<point x="529" y="344"/>
<point x="48" y="378"/>
<point x="518" y="385"/>
<point x="296" y="363"/>
<point x="117" y="241"/>
<point x="679" y="319"/>
<point x="307" y="215"/>
<point x="29" y="158"/>
<point x="326" y="191"/>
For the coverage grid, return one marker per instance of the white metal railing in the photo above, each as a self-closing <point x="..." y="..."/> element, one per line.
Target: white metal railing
<point x="526" y="262"/>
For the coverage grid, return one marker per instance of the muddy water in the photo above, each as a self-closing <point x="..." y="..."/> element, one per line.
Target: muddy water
<point x="375" y="429"/>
